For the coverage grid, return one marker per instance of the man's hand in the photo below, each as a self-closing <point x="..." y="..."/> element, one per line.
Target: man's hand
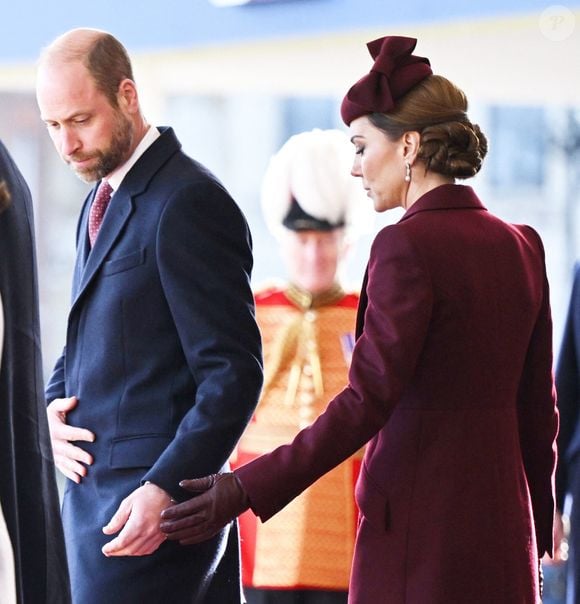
<point x="138" y="517"/>
<point x="68" y="458"/>
<point x="223" y="498"/>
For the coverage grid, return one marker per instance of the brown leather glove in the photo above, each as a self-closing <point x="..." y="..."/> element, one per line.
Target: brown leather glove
<point x="222" y="499"/>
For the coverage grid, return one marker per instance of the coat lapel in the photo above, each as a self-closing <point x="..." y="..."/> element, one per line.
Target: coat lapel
<point x="362" y="306"/>
<point x="117" y="214"/>
<point x="120" y="209"/>
<point x="83" y="247"/>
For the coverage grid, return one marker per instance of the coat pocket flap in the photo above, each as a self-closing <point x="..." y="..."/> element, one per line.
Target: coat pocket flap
<point x="372" y="502"/>
<point x="137" y="451"/>
<point x="118" y="265"/>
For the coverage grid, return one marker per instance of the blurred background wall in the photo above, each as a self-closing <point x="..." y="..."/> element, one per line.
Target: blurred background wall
<point x="237" y="81"/>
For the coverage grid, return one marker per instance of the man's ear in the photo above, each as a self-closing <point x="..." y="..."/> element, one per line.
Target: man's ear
<point x="127" y="96"/>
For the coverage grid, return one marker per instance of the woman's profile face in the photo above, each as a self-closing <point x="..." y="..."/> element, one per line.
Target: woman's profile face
<point x="380" y="163"/>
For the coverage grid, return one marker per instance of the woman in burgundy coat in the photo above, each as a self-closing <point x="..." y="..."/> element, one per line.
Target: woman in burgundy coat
<point x="451" y="375"/>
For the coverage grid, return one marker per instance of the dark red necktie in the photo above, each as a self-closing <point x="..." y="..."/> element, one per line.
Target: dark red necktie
<point x="98" y="209"/>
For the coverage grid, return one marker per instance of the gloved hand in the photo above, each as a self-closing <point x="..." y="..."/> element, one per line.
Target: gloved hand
<point x="222" y="499"/>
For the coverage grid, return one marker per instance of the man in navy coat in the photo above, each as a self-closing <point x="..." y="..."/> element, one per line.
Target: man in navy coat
<point x="568" y="470"/>
<point x="162" y="365"/>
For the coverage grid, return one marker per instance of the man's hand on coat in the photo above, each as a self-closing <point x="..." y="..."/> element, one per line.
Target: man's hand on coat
<point x="68" y="458"/>
<point x="222" y="499"/>
<point x="138" y="520"/>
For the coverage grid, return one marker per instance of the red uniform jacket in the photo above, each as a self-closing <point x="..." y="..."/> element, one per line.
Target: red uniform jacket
<point x="451" y="381"/>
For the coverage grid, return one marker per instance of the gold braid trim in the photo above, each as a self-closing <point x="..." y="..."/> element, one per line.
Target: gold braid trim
<point x="298" y="338"/>
<point x="283" y="345"/>
<point x="306" y="300"/>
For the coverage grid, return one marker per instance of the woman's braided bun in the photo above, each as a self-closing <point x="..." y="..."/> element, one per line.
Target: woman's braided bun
<point x="453" y="149"/>
<point x="450" y="144"/>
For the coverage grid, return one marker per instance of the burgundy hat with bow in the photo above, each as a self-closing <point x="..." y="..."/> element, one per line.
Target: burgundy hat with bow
<point x="393" y="74"/>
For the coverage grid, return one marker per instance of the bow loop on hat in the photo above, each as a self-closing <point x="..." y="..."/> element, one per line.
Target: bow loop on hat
<point x="377" y="84"/>
<point x="389" y="52"/>
<point x="395" y="71"/>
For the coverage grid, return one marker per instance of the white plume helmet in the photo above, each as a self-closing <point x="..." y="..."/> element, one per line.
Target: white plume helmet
<point x="314" y="169"/>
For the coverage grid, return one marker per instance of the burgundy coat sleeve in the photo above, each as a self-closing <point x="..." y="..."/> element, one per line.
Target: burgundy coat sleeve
<point x="396" y="320"/>
<point x="538" y="422"/>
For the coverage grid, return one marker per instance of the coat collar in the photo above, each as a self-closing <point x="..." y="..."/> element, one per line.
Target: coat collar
<point x="120" y="208"/>
<point x="446" y="197"/>
<point x="147" y="166"/>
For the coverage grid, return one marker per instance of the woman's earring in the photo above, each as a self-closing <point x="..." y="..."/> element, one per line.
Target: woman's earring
<point x="407" y="172"/>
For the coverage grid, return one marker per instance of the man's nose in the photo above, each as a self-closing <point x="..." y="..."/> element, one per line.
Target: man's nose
<point x="69" y="142"/>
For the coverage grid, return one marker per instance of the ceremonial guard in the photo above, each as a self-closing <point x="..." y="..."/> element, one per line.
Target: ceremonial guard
<point x="315" y="209"/>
